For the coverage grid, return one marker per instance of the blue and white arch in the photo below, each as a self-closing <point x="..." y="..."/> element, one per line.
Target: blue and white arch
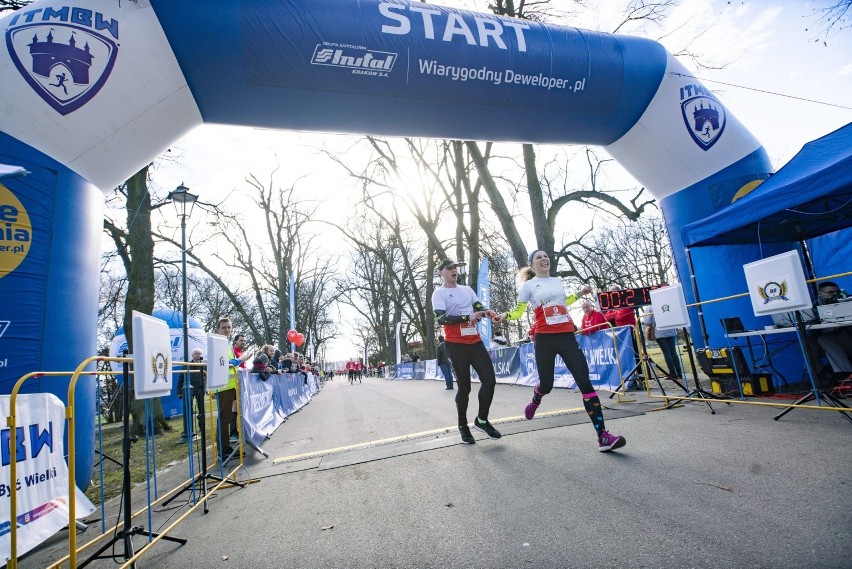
<point x="91" y="90"/>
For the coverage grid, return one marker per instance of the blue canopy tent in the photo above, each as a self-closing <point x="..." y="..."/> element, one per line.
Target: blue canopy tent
<point x="810" y="196"/>
<point x="807" y="203"/>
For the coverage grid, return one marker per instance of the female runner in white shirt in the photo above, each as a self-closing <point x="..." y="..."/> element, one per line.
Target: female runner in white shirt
<point x="554" y="335"/>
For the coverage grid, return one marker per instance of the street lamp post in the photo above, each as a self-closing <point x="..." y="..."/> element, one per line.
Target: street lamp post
<point x="462" y="268"/>
<point x="184" y="202"/>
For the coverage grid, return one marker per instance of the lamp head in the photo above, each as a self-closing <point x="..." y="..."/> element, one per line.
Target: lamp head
<point x="182" y="197"/>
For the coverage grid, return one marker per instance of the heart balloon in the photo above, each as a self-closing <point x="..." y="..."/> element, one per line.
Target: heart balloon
<point x="300" y="339"/>
<point x="291" y="335"/>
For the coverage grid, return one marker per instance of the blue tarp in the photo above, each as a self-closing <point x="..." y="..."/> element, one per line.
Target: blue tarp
<point x="810" y="196"/>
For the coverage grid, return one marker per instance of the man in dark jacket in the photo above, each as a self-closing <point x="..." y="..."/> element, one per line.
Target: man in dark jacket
<point x="444" y="362"/>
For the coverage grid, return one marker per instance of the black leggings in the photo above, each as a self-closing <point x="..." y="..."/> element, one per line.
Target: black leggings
<point x="547" y="347"/>
<point x="466" y="356"/>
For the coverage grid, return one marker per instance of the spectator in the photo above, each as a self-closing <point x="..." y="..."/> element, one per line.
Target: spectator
<point x="261" y="367"/>
<point x="444" y="362"/>
<point x="240" y="350"/>
<point x="667" y="340"/>
<point x="593" y="319"/>
<point x="227" y="397"/>
<point x="498" y="341"/>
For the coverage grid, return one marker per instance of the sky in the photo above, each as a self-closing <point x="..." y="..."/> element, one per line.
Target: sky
<point x="762" y="47"/>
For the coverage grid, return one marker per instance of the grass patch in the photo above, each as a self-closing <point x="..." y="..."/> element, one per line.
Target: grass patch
<point x="168" y="451"/>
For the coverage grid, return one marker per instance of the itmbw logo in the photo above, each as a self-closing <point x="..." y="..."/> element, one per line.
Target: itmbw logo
<point x="66" y="55"/>
<point x="703" y="115"/>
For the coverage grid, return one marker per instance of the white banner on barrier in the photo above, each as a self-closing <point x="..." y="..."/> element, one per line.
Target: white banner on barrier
<point x="42" y="475"/>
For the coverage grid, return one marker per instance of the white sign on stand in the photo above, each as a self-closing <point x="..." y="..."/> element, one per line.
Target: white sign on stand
<point x="669" y="306"/>
<point x="218" y="362"/>
<point x="777" y="284"/>
<point x="152" y="357"/>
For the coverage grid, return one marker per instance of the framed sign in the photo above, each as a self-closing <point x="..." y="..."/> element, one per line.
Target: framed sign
<point x="152" y="357"/>
<point x="669" y="306"/>
<point x="218" y="362"/>
<point x="777" y="284"/>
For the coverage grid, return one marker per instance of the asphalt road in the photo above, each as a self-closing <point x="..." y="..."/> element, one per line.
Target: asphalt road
<point x="690" y="489"/>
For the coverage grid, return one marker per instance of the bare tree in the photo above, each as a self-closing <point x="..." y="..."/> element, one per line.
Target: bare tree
<point x="134" y="245"/>
<point x="254" y="256"/>
<point x="831" y="19"/>
<point x="626" y="254"/>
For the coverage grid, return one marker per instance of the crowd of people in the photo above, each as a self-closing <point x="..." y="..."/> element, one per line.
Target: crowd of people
<point x="265" y="361"/>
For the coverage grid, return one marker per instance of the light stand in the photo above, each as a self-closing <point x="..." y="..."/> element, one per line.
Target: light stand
<point x="698" y="392"/>
<point x="182" y="197"/>
<point x="125" y="535"/>
<point x="815" y="394"/>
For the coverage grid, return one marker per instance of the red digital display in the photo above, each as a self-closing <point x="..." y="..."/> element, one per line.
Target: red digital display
<point x="627" y="298"/>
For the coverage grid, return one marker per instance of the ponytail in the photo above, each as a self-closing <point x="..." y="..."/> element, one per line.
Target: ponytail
<point x="525" y="274"/>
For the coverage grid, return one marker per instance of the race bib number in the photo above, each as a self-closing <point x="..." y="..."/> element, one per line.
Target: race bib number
<point x="468" y="329"/>
<point x="555" y="314"/>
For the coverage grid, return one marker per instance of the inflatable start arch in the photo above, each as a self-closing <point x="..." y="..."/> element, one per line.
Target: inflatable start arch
<point x="91" y="90"/>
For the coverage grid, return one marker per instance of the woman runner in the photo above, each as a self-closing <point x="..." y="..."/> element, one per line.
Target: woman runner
<point x="458" y="310"/>
<point x="554" y="335"/>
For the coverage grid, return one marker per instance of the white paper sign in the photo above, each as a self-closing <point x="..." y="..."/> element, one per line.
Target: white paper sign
<point x="41" y="475"/>
<point x="669" y="306"/>
<point x="777" y="284"/>
<point x="152" y="357"/>
<point x="218" y="358"/>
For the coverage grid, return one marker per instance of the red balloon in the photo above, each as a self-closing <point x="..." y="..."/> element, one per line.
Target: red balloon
<point x="291" y="335"/>
<point x="300" y="339"/>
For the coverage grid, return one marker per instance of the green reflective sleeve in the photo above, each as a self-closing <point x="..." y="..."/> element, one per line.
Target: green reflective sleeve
<point x="571" y="299"/>
<point x="518" y="311"/>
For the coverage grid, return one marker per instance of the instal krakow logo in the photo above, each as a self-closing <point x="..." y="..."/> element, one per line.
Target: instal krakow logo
<point x="358" y="59"/>
<point x="65" y="54"/>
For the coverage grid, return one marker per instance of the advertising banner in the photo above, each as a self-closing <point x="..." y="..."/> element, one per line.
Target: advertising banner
<point x="604" y="358"/>
<point x="507" y="364"/>
<point x="419" y="370"/>
<point x="259" y="413"/>
<point x="265" y="404"/>
<point x="41" y="476"/>
<point x="405" y="371"/>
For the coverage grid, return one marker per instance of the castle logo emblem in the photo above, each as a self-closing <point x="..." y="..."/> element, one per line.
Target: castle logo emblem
<point x="703" y="115"/>
<point x="65" y="55"/>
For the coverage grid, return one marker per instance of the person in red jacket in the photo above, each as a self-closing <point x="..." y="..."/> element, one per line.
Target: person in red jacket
<point x="621" y="317"/>
<point x="593" y="319"/>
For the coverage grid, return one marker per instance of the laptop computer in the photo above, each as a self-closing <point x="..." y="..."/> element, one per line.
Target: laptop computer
<point x="783" y="319"/>
<point x="732" y="325"/>
<point x="840" y="311"/>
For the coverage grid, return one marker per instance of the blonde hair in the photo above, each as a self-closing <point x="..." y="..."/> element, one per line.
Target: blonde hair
<point x="525" y="274"/>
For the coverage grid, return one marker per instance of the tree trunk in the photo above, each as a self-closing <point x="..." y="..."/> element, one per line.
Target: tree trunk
<point x="140" y="281"/>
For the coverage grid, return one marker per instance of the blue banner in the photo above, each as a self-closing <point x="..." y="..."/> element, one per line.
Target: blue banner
<point x="607" y="359"/>
<point x="265" y="404"/>
<point x="484" y="294"/>
<point x="507" y="364"/>
<point x="405" y="371"/>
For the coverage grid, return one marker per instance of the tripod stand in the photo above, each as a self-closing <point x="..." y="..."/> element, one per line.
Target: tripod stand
<point x="200" y="480"/>
<point x="125" y="535"/>
<point x="698" y="392"/>
<point x="815" y="394"/>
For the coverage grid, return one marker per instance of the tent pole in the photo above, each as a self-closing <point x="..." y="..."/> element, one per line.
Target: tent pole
<point x="694" y="283"/>
<point x="809" y="265"/>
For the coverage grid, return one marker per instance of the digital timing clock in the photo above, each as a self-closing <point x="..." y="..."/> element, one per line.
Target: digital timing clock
<point x="627" y="298"/>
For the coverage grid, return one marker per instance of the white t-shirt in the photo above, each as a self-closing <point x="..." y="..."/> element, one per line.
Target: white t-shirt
<point x="457" y="301"/>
